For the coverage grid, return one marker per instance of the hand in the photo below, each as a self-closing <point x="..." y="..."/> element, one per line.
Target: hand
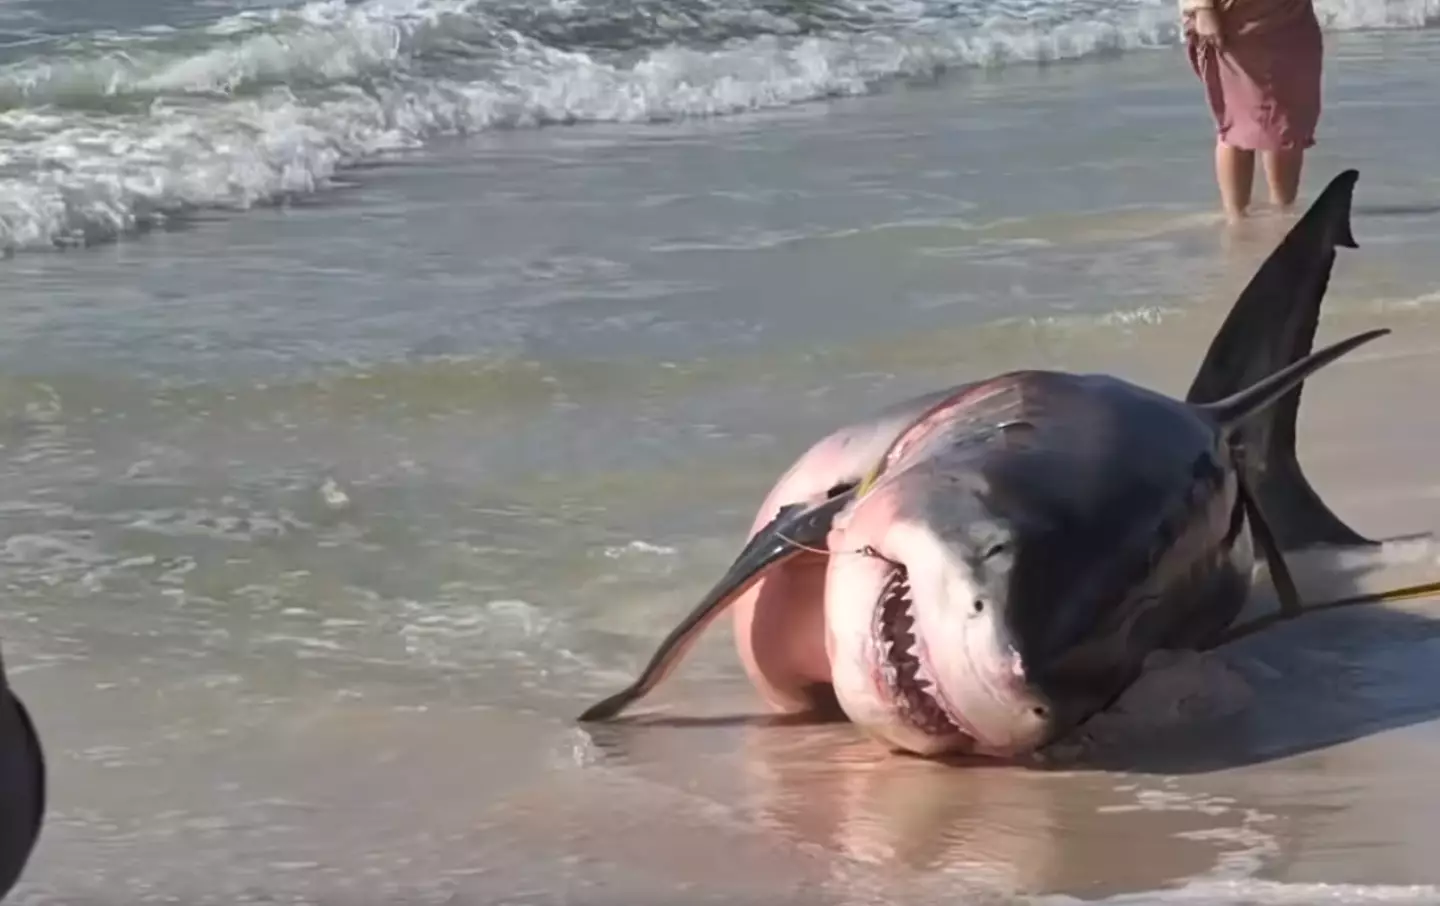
<point x="1208" y="27"/>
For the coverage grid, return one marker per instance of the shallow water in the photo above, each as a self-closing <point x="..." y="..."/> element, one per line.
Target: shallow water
<point x="323" y="518"/>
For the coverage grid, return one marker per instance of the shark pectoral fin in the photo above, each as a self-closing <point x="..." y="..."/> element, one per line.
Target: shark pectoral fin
<point x="1286" y="593"/>
<point x="1232" y="412"/>
<point x="795" y="529"/>
<point x="1280" y="576"/>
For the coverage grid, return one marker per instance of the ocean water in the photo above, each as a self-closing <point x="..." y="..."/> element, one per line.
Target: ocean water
<point x="379" y="380"/>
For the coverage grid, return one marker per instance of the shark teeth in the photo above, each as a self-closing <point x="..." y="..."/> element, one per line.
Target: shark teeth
<point x="924" y="678"/>
<point x="909" y="679"/>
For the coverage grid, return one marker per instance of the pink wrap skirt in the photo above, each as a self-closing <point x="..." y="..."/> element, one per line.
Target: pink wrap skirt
<point x="1263" y="87"/>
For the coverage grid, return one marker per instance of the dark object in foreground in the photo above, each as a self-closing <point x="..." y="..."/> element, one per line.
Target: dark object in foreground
<point x="22" y="786"/>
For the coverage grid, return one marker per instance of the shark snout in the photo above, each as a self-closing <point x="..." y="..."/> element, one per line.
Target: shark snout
<point x="1006" y="711"/>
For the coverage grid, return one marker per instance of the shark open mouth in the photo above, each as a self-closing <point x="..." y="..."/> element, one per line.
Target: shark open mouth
<point x="911" y="689"/>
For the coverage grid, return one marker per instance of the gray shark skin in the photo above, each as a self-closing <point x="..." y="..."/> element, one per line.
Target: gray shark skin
<point x="983" y="568"/>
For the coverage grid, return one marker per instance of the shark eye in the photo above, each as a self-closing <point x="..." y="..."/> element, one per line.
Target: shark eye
<point x="977" y="606"/>
<point x="995" y="550"/>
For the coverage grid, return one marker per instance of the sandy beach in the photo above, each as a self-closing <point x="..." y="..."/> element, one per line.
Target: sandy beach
<point x="341" y="466"/>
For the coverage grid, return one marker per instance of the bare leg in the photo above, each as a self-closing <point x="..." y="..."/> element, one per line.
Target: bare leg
<point x="1235" y="172"/>
<point x="1282" y="173"/>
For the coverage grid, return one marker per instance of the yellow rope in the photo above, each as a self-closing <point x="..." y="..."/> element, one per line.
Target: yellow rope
<point x="1404" y="593"/>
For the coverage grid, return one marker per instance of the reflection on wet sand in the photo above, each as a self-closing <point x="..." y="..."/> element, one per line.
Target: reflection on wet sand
<point x="1001" y="828"/>
<point x="979" y="829"/>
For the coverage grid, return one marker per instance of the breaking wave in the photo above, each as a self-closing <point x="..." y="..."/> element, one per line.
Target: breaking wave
<point x="109" y="132"/>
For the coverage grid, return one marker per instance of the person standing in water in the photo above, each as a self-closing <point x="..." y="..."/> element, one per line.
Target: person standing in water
<point x="1260" y="64"/>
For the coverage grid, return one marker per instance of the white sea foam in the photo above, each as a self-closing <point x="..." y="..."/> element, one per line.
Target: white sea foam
<point x="109" y="134"/>
<point x="641" y="548"/>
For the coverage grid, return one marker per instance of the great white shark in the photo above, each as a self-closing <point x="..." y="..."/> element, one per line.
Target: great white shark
<point x="983" y="568"/>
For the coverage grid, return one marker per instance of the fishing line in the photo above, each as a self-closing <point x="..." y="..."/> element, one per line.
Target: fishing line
<point x="866" y="551"/>
<point x="1403" y="593"/>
